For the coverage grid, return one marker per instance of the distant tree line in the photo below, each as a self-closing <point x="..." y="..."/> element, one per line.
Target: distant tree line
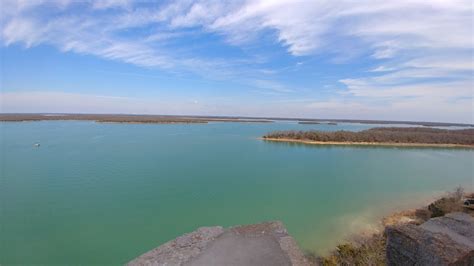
<point x="118" y="118"/>
<point x="383" y="135"/>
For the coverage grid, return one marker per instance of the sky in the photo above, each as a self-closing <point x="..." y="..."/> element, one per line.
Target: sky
<point x="366" y="59"/>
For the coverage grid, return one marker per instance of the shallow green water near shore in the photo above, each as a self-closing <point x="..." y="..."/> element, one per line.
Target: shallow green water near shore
<point x="105" y="193"/>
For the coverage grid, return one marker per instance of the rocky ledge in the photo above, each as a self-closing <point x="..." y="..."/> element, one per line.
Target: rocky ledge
<point x="258" y="244"/>
<point x="447" y="240"/>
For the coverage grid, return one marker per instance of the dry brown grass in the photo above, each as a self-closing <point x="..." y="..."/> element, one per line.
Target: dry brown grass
<point x="364" y="251"/>
<point x="447" y="204"/>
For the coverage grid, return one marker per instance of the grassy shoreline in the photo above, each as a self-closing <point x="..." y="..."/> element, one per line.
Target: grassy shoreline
<point x="383" y="144"/>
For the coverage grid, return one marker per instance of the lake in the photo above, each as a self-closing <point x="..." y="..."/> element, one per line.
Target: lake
<point x="106" y="193"/>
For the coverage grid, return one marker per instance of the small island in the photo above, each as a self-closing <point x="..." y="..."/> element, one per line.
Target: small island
<point x="316" y="123"/>
<point x="382" y="136"/>
<point x="308" y="123"/>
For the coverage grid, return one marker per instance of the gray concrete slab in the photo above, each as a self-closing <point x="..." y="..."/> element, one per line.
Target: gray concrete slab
<point x="234" y="250"/>
<point x="257" y="244"/>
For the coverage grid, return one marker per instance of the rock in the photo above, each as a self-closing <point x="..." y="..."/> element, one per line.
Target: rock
<point x="458" y="226"/>
<point x="257" y="244"/>
<point x="177" y="251"/>
<point x="447" y="240"/>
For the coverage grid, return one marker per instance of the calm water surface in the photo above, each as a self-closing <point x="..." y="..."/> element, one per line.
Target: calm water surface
<point x="105" y="193"/>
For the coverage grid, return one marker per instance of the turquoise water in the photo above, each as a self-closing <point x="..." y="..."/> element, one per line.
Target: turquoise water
<point x="105" y="193"/>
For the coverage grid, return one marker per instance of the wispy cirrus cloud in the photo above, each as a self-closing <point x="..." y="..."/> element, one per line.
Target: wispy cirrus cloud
<point x="93" y="32"/>
<point x="303" y="27"/>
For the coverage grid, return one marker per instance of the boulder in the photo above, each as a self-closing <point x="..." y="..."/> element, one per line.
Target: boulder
<point x="447" y="240"/>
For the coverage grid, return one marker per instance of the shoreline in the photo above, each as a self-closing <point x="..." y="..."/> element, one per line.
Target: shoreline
<point x="373" y="144"/>
<point x="373" y="247"/>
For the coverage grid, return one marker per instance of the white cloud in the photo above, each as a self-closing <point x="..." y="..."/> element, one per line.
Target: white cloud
<point x="304" y="27"/>
<point x="412" y="109"/>
<point x="60" y="102"/>
<point x="22" y="30"/>
<point x="105" y="4"/>
<point x="271" y="85"/>
<point x="369" y="89"/>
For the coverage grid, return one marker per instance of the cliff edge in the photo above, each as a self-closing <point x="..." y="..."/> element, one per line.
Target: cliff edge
<point x="446" y="240"/>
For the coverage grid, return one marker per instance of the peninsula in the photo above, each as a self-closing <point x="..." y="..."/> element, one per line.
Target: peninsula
<point x="382" y="136"/>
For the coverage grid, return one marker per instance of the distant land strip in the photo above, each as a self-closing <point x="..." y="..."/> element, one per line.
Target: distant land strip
<point x="316" y="123"/>
<point x="381" y="136"/>
<point x="170" y="119"/>
<point x="132" y="119"/>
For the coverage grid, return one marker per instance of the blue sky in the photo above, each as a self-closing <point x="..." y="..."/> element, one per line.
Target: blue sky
<point x="367" y="59"/>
